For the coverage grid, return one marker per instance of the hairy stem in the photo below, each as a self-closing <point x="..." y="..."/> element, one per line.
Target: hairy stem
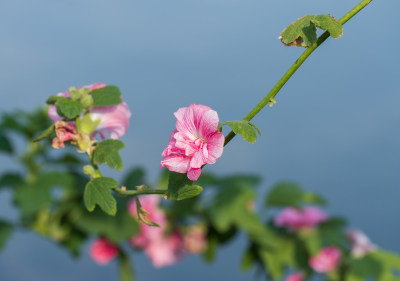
<point x="278" y="86"/>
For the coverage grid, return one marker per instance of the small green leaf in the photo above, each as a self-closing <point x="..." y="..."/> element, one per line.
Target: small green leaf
<point x="98" y="191"/>
<point x="188" y="191"/>
<point x="244" y="128"/>
<point x="106" y="96"/>
<point x="69" y="108"/>
<point x="45" y="134"/>
<point x="305" y="29"/>
<point x="107" y="152"/>
<point x="5" y="232"/>
<point x="176" y="183"/>
<point x="53" y="99"/>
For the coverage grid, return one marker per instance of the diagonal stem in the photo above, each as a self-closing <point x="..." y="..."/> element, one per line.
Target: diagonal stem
<point x="278" y="86"/>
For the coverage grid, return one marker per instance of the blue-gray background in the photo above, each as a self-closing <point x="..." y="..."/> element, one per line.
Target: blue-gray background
<point x="334" y="129"/>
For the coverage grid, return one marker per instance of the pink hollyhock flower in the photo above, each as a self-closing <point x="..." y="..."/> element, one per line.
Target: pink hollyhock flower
<point x="361" y="244"/>
<point x="298" y="276"/>
<point x="114" y="120"/>
<point x="196" y="141"/>
<point x="147" y="234"/>
<point x="194" y="240"/>
<point x="299" y="219"/>
<point x="326" y="260"/>
<point x="165" y="251"/>
<point x="102" y="251"/>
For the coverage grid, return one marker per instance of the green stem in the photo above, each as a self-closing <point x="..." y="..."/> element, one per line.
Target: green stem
<point x="139" y="192"/>
<point x="274" y="91"/>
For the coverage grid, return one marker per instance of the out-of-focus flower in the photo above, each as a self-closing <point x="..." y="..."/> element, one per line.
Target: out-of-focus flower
<point x="195" y="141"/>
<point x="297" y="276"/>
<point x="326" y="260"/>
<point x="361" y="244"/>
<point x="113" y="121"/>
<point x="300" y="219"/>
<point x="194" y="240"/>
<point x="102" y="251"/>
<point x="65" y="132"/>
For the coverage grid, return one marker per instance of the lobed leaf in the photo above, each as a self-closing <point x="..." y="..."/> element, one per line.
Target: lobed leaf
<point x="106" y="96"/>
<point x="69" y="108"/>
<point x="305" y="29"/>
<point x="98" y="192"/>
<point x="107" y="152"/>
<point x="244" y="128"/>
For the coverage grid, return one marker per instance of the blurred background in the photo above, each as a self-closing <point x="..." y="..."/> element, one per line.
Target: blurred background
<point x="334" y="129"/>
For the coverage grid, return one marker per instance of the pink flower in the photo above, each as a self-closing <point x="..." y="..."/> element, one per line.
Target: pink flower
<point x="194" y="240"/>
<point x="361" y="244"/>
<point x="165" y="251"/>
<point x="326" y="260"/>
<point x="102" y="251"/>
<point x="113" y="120"/>
<point x="196" y="141"/>
<point x="297" y="219"/>
<point x="298" y="276"/>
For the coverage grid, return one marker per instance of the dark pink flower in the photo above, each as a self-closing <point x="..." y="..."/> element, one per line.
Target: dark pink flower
<point x="113" y="120"/>
<point x="196" y="141"/>
<point x="102" y="251"/>
<point x="326" y="260"/>
<point x="300" y="219"/>
<point x="361" y="244"/>
<point x="297" y="276"/>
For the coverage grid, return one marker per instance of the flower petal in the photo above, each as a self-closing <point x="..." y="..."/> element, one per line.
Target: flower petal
<point x="176" y="163"/>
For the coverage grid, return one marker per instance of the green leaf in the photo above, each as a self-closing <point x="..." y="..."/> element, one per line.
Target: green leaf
<point x="5" y="232"/>
<point x="305" y="29"/>
<point x="69" y="108"/>
<point x="45" y="134"/>
<point x="11" y="180"/>
<point x="5" y="144"/>
<point x="98" y="192"/>
<point x="177" y="182"/>
<point x="244" y="128"/>
<point x="248" y="259"/>
<point x="107" y="152"/>
<point x="364" y="268"/>
<point x="85" y="124"/>
<point x="53" y="99"/>
<point x="188" y="191"/>
<point x="125" y="268"/>
<point x="106" y="96"/>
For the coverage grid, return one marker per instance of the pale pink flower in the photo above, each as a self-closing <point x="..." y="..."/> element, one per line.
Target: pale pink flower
<point x="102" y="251"/>
<point x="165" y="251"/>
<point x="297" y="219"/>
<point x="297" y="276"/>
<point x="361" y="244"/>
<point x="194" y="240"/>
<point x="326" y="260"/>
<point x="114" y="120"/>
<point x="196" y="141"/>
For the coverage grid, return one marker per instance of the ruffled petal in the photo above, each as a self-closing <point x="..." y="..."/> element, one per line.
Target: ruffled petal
<point x="194" y="174"/>
<point x="208" y="124"/>
<point x="176" y="163"/>
<point x="215" y="147"/>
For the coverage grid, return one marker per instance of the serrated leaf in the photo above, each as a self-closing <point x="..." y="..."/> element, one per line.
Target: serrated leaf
<point x="244" y="128"/>
<point x="305" y="29"/>
<point x="176" y="183"/>
<point x="5" y="232"/>
<point x="69" y="108"/>
<point x="45" y="134"/>
<point x="98" y="192"/>
<point x="107" y="152"/>
<point x="106" y="96"/>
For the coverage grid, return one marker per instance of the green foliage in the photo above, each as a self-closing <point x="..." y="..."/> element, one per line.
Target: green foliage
<point x="11" y="180"/>
<point x="107" y="152"/>
<point x="106" y="96"/>
<point x="85" y="124"/>
<point x="45" y="134"/>
<point x="53" y="99"/>
<point x="6" y="229"/>
<point x="290" y="194"/>
<point x="98" y="192"/>
<point x="180" y="187"/>
<point x="244" y="128"/>
<point x="69" y="108"/>
<point x="5" y="144"/>
<point x="305" y="29"/>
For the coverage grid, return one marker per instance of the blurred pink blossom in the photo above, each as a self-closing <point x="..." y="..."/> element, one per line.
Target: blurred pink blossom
<point x="297" y="276"/>
<point x="114" y="120"/>
<point x="361" y="244"/>
<point x="299" y="219"/>
<point x="102" y="251"/>
<point x="194" y="240"/>
<point x="326" y="260"/>
<point x="195" y="141"/>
